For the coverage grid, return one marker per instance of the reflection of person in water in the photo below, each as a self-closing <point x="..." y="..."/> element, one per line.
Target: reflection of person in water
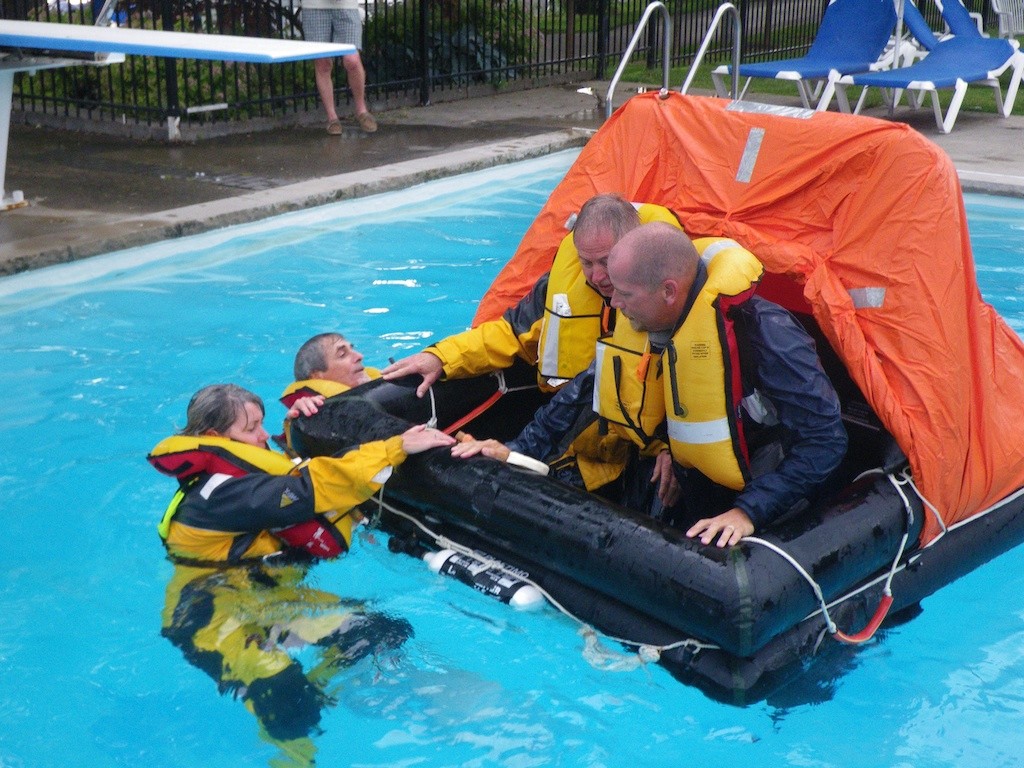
<point x="248" y="628"/>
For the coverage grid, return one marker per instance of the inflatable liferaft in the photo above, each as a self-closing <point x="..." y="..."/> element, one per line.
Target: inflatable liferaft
<point x="861" y="228"/>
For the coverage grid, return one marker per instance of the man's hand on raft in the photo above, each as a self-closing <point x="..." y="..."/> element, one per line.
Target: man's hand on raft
<point x="668" y="487"/>
<point x="305" y="406"/>
<point x="468" y="446"/>
<point x="422" y="438"/>
<point x="729" y="526"/>
<point x="425" y="364"/>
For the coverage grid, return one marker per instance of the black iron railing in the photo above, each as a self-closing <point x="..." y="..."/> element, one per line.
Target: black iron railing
<point x="414" y="51"/>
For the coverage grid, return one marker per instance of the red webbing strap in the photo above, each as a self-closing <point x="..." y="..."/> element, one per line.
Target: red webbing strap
<point x="450" y="430"/>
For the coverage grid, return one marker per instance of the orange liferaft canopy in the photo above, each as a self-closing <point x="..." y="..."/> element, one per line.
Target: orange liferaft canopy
<point x="866" y="219"/>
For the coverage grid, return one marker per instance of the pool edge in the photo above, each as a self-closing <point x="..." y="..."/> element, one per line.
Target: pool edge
<point x="992" y="183"/>
<point x="120" y="233"/>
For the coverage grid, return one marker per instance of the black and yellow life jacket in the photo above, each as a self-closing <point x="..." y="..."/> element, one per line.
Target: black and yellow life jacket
<point x="695" y="387"/>
<point x="191" y="458"/>
<point x="309" y="388"/>
<point x="703" y="378"/>
<point x="324" y="387"/>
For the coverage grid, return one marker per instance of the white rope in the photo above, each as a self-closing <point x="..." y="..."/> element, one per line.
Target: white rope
<point x="432" y="421"/>
<point x="816" y="588"/>
<point x="887" y="589"/>
<point x="832" y="628"/>
<point x="1001" y="503"/>
<point x="944" y="529"/>
<point x="646" y="651"/>
<point x="908" y="479"/>
<point x="504" y="388"/>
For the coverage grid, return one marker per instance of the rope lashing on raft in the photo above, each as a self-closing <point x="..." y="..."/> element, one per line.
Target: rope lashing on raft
<point x="503" y="389"/>
<point x="886" y="602"/>
<point x="905" y="478"/>
<point x="645" y="653"/>
<point x="943" y="529"/>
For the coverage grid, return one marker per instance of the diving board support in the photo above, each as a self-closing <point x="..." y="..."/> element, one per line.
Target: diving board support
<point x="16" y="199"/>
<point x="8" y="68"/>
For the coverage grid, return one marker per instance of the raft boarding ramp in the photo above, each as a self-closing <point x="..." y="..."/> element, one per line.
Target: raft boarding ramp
<point x="28" y="46"/>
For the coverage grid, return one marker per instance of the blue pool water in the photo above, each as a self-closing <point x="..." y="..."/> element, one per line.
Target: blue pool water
<point x="98" y="360"/>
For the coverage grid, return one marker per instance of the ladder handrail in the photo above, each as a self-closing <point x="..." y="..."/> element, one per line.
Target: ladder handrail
<point x="665" y="53"/>
<point x="722" y="10"/>
<point x="641" y="25"/>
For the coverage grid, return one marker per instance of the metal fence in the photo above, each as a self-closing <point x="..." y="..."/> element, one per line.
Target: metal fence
<point x="414" y="51"/>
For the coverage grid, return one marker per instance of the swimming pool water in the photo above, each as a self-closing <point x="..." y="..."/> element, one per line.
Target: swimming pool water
<point x="98" y="361"/>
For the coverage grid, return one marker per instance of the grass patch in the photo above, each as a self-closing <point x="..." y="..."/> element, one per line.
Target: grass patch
<point x="978" y="99"/>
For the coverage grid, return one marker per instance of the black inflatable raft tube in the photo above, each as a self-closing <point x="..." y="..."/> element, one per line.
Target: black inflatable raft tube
<point x="752" y="619"/>
<point x="738" y="598"/>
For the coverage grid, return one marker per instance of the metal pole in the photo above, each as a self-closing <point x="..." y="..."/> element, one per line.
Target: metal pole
<point x="173" y="112"/>
<point x="6" y="97"/>
<point x="603" y="33"/>
<point x="424" y="58"/>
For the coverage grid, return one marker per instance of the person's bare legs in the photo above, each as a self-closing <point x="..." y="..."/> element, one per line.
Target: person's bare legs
<point x="325" y="86"/>
<point x="356" y="80"/>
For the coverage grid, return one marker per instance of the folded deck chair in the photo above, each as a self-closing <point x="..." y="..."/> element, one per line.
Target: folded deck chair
<point x="852" y="37"/>
<point x="954" y="64"/>
<point x="1011" y="17"/>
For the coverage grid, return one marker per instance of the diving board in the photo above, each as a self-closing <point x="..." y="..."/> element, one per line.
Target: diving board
<point x="151" y="42"/>
<point x="47" y="36"/>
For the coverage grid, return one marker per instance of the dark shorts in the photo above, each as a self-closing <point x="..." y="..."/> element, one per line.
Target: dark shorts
<point x="320" y="25"/>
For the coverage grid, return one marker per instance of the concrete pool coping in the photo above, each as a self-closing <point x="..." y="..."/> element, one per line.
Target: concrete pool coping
<point x="94" y="194"/>
<point x="105" y="234"/>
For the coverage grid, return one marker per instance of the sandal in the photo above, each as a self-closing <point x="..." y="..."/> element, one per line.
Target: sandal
<point x="334" y="128"/>
<point x="366" y="122"/>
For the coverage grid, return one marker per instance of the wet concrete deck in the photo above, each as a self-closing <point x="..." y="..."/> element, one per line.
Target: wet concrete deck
<point x="92" y="194"/>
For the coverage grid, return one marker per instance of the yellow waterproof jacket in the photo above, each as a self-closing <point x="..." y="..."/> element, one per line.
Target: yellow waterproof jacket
<point x="244" y="627"/>
<point x="238" y="502"/>
<point x="553" y="328"/>
<point x="248" y="623"/>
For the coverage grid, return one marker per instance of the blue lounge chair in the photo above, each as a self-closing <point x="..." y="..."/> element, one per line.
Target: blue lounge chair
<point x="852" y="37"/>
<point x="959" y="20"/>
<point x="954" y="63"/>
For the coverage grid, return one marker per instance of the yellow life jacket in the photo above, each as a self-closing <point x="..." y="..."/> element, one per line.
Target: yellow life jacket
<point x="307" y="388"/>
<point x="324" y="387"/>
<point x="575" y="314"/>
<point x="703" y="389"/>
<point x="627" y="384"/>
<point x="695" y="385"/>
<point x="187" y="457"/>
